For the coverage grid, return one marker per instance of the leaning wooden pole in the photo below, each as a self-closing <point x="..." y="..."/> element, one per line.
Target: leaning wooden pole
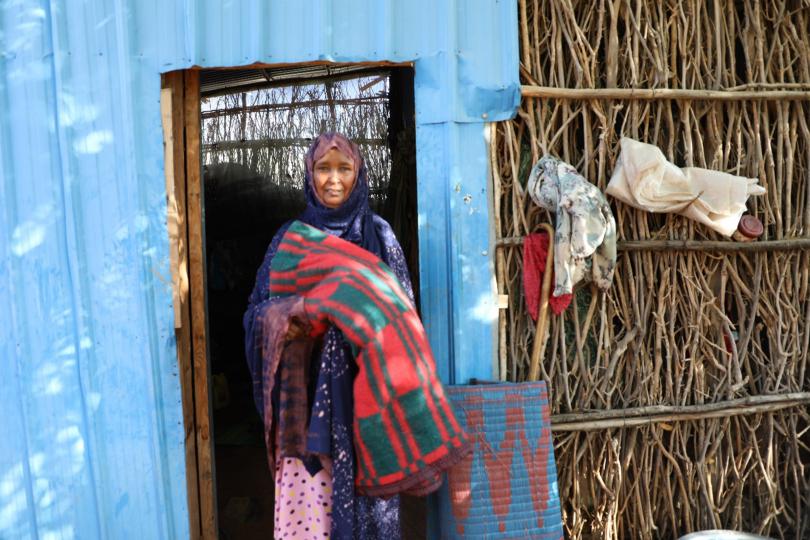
<point x="541" y="331"/>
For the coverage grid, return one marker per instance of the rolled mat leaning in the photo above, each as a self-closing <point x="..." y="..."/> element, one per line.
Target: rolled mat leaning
<point x="507" y="487"/>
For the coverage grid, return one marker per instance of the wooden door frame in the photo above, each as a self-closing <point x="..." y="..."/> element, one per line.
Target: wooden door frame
<point x="181" y="116"/>
<point x="180" y="108"/>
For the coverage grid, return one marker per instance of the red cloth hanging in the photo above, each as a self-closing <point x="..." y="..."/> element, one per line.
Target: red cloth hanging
<point x="535" y="249"/>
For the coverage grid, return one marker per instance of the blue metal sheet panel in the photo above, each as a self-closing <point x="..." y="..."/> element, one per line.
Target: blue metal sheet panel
<point x="91" y="414"/>
<point x="100" y="435"/>
<point x="458" y="295"/>
<point x="471" y="45"/>
<point x="46" y="484"/>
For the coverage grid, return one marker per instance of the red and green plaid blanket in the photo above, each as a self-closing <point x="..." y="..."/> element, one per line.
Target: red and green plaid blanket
<point x="405" y="430"/>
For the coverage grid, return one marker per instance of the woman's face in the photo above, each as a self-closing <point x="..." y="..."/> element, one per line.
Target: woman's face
<point x="333" y="176"/>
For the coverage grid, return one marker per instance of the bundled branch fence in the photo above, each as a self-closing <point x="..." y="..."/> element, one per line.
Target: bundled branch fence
<point x="679" y="398"/>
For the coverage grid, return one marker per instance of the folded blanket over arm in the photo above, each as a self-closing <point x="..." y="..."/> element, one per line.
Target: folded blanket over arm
<point x="405" y="430"/>
<point x="643" y="178"/>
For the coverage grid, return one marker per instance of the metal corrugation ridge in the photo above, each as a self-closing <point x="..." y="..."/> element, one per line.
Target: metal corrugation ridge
<point x="97" y="451"/>
<point x="455" y="45"/>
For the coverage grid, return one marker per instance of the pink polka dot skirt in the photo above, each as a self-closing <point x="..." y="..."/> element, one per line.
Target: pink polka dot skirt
<point x="303" y="502"/>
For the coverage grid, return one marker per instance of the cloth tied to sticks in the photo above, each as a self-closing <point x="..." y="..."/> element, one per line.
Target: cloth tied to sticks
<point x="405" y="430"/>
<point x="585" y="233"/>
<point x="644" y="179"/>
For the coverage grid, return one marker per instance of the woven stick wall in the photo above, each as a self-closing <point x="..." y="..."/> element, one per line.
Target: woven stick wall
<point x="661" y="427"/>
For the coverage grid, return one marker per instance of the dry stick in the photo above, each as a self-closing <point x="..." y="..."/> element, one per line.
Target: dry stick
<point x="499" y="256"/>
<point x="748" y="86"/>
<point x="509" y="210"/>
<point x="658" y="322"/>
<point x="790" y="135"/>
<point x="569" y="94"/>
<point x="533" y="145"/>
<point x="584" y="331"/>
<point x="734" y="357"/>
<point x="633" y="39"/>
<point x="692" y="245"/>
<point x="524" y="34"/>
<point x="718" y="71"/>
<point x="519" y="195"/>
<point x="536" y="28"/>
<point x="784" y="223"/>
<point x="638" y="416"/>
<point x="597" y="39"/>
<point x="705" y="489"/>
<point x="771" y="167"/>
<point x="518" y="192"/>
<point x="806" y="134"/>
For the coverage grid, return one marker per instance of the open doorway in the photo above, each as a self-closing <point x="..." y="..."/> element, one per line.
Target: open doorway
<point x="255" y="127"/>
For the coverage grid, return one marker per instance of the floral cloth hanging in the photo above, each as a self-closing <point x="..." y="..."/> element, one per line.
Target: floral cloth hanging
<point x="585" y="234"/>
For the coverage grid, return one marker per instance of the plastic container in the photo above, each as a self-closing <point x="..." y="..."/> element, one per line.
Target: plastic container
<point x="750" y="228"/>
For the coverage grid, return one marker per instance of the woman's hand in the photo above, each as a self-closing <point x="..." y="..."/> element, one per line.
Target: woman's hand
<point x="298" y="329"/>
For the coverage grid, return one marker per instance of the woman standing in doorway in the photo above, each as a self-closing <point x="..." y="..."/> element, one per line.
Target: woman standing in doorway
<point x="315" y="496"/>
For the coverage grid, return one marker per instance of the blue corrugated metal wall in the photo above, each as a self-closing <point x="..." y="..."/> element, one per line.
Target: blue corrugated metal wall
<point x="92" y="443"/>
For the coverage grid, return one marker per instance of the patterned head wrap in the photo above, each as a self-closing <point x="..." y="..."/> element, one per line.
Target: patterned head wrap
<point x="353" y="220"/>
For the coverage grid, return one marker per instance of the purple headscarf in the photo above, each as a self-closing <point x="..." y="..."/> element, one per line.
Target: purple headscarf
<point x="352" y="220"/>
<point x="325" y="142"/>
